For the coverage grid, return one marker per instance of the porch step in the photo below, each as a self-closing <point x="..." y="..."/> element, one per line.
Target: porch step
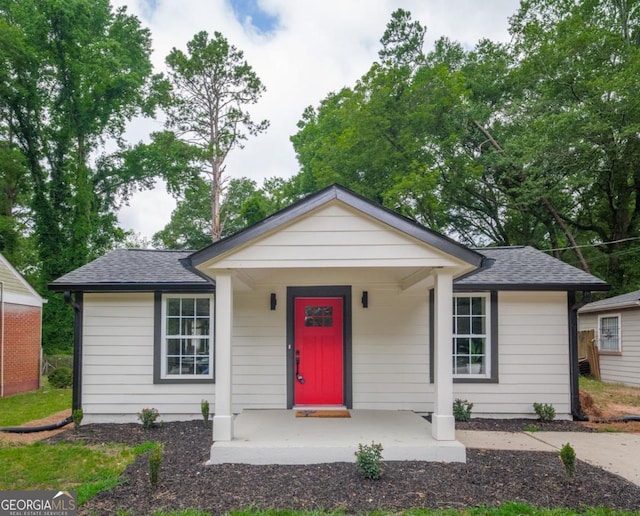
<point x="278" y="437"/>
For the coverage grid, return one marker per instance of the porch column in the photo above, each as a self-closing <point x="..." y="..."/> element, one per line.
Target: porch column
<point x="442" y="422"/>
<point x="223" y="417"/>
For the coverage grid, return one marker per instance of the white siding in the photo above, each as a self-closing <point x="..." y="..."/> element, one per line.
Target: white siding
<point x="391" y="351"/>
<point x="118" y="363"/>
<point x="623" y="368"/>
<point x="533" y="355"/>
<point x="335" y="236"/>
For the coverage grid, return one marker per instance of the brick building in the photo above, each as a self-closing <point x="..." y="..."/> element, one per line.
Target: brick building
<point x="20" y="332"/>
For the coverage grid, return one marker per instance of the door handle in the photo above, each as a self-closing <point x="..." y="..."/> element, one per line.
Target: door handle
<point x="299" y="376"/>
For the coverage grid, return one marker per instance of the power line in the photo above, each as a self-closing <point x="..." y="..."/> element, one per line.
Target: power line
<point x="592" y="245"/>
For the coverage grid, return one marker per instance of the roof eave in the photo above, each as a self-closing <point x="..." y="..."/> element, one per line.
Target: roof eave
<point x="531" y="287"/>
<point x="609" y="307"/>
<point x="131" y="287"/>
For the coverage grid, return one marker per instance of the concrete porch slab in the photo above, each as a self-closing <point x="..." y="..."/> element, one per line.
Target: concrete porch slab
<point x="278" y="437"/>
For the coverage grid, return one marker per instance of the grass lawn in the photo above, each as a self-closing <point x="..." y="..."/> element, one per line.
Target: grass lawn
<point x="604" y="394"/>
<point x="20" y="408"/>
<point x="85" y="469"/>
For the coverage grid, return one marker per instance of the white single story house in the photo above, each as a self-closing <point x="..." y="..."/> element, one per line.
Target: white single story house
<point x="616" y="324"/>
<point x="334" y="301"/>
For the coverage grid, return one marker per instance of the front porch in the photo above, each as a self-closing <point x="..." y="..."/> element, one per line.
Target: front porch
<point x="279" y="437"/>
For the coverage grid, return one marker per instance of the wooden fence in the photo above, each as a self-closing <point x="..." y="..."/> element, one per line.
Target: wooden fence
<point x="587" y="350"/>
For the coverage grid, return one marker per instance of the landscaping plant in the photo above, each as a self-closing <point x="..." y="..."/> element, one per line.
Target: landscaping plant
<point x="462" y="410"/>
<point x="568" y="458"/>
<point x="61" y="377"/>
<point x="368" y="460"/>
<point x="148" y="417"/>
<point x="546" y="413"/>
<point x="155" y="463"/>
<point x="204" y="408"/>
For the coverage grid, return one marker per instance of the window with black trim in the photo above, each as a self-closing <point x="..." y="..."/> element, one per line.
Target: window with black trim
<point x="187" y="336"/>
<point x="471" y="336"/>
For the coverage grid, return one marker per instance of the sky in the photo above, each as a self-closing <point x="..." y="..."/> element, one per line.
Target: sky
<point x="302" y="50"/>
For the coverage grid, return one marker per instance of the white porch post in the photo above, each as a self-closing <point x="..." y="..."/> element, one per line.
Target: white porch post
<point x="223" y="417"/>
<point x="442" y="422"/>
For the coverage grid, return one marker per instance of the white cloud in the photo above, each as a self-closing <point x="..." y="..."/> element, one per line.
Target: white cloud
<point x="319" y="46"/>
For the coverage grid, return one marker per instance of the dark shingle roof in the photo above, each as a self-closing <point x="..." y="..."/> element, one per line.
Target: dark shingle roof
<point x="523" y="267"/>
<point x="140" y="269"/>
<point x="134" y="269"/>
<point x="628" y="300"/>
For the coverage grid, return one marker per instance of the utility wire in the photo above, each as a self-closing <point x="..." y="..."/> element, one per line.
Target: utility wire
<point x="592" y="245"/>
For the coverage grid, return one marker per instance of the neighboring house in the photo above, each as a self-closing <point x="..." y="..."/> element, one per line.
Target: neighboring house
<point x="20" y="332"/>
<point x="616" y="324"/>
<point x="334" y="301"/>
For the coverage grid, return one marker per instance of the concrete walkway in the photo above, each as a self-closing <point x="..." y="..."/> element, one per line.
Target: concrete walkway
<point x="618" y="453"/>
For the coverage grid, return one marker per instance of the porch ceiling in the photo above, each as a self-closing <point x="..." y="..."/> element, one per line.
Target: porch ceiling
<point x="402" y="278"/>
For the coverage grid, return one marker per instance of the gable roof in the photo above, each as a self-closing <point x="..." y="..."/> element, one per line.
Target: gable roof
<point x="628" y="300"/>
<point x="16" y="289"/>
<point x="526" y="268"/>
<point x="133" y="269"/>
<point x="354" y="201"/>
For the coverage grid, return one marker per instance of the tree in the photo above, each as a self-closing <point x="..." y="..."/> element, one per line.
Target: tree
<point x="71" y="74"/>
<point x="212" y="85"/>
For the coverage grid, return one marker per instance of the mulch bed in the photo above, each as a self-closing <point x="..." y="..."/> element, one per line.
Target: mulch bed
<point x="489" y="478"/>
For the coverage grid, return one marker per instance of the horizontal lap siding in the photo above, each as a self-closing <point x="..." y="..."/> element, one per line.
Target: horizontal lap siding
<point x="390" y="351"/>
<point x="624" y="368"/>
<point x="118" y="363"/>
<point x="533" y="339"/>
<point x="259" y="362"/>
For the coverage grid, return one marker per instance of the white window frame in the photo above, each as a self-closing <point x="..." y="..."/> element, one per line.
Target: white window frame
<point x="600" y="336"/>
<point x="487" y="335"/>
<point x="163" y="339"/>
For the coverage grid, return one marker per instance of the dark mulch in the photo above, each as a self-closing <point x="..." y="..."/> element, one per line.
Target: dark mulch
<point x="520" y="425"/>
<point x="488" y="478"/>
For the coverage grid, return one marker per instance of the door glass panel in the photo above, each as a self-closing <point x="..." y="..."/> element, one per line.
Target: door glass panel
<point x="318" y="316"/>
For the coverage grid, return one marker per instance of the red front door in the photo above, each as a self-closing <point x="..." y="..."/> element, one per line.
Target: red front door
<point x="318" y="353"/>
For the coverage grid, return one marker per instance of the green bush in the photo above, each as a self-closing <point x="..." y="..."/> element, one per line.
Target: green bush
<point x="568" y="458"/>
<point x="546" y="413"/>
<point x="155" y="463"/>
<point x="61" y="377"/>
<point x="148" y="417"/>
<point x="204" y="408"/>
<point x="368" y="460"/>
<point x="462" y="410"/>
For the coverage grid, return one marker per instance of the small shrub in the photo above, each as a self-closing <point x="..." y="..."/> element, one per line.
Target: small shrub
<point x="61" y="377"/>
<point x="155" y="463"/>
<point x="462" y="410"/>
<point x="368" y="460"/>
<point x="204" y="408"/>
<point x="77" y="416"/>
<point x="546" y="413"/>
<point x="148" y="417"/>
<point x="530" y="428"/>
<point x="568" y="458"/>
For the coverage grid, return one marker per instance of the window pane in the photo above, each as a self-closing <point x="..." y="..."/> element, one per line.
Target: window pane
<point x="202" y="365"/>
<point x="173" y="365"/>
<point x="188" y="306"/>
<point x="173" y="306"/>
<point x="463" y="306"/>
<point x="462" y="346"/>
<point x="202" y="326"/>
<point x="173" y="326"/>
<point x="202" y="307"/>
<point x="202" y="347"/>
<point x="188" y="347"/>
<point x="478" y="326"/>
<point x="463" y="326"/>
<point x="173" y="346"/>
<point x="477" y="306"/>
<point x="188" y="365"/>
